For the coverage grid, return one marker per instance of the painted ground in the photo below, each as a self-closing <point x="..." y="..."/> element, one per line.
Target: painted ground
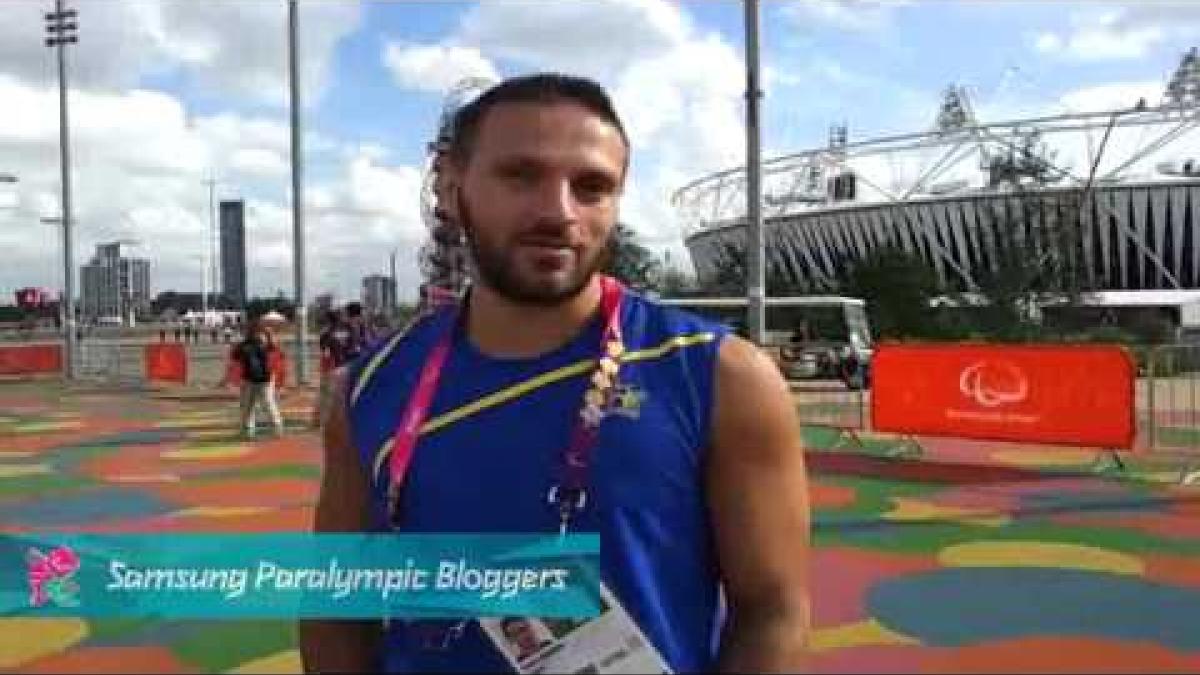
<point x="971" y="558"/>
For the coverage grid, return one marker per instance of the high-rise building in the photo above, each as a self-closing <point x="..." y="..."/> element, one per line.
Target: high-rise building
<point x="233" y="252"/>
<point x="379" y="295"/>
<point x="115" y="286"/>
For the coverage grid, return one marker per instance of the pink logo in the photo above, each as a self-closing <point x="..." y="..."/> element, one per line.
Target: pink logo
<point x="50" y="577"/>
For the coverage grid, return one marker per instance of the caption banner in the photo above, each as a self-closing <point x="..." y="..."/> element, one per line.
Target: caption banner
<point x="299" y="575"/>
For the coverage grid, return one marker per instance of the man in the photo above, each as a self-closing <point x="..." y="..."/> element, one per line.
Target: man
<point x="522" y="638"/>
<point x="253" y="359"/>
<point x="357" y="335"/>
<point x="696" y="484"/>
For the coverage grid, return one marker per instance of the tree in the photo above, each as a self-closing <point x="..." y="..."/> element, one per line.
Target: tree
<point x="630" y="262"/>
<point x="898" y="287"/>
<point x="674" y="283"/>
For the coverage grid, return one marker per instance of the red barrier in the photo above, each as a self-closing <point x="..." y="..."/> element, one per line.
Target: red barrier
<point x="1054" y="394"/>
<point x="31" y="359"/>
<point x="167" y="363"/>
<point x="279" y="367"/>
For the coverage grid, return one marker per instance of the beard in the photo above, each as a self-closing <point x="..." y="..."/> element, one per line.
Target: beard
<point x="497" y="267"/>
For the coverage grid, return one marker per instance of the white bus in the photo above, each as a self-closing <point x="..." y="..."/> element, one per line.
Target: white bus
<point x="811" y="336"/>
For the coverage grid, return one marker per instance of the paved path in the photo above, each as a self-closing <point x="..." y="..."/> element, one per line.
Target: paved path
<point x="977" y="557"/>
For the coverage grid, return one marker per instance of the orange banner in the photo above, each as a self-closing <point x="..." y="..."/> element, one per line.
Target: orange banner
<point x="167" y="363"/>
<point x="30" y="359"/>
<point x="1053" y="394"/>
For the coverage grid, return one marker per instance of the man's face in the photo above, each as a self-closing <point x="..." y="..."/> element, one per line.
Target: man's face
<point x="538" y="197"/>
<point x="521" y="635"/>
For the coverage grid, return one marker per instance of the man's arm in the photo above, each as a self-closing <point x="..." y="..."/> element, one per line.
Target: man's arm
<point x="758" y="497"/>
<point x="342" y="646"/>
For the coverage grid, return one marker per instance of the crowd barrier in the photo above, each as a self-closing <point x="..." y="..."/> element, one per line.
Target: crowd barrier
<point x="33" y="359"/>
<point x="1103" y="396"/>
<point x="166" y="362"/>
<point x="1079" y="395"/>
<point x="127" y="363"/>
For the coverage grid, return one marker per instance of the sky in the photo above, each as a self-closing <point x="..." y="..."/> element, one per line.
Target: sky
<point x="167" y="94"/>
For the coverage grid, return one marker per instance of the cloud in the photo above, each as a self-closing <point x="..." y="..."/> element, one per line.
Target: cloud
<point x="356" y="220"/>
<point x="856" y="16"/>
<point x="679" y="90"/>
<point x="224" y="46"/>
<point x="118" y="42"/>
<point x="240" y="48"/>
<point x="139" y="162"/>
<point x="1106" y="33"/>
<point x="436" y="68"/>
<point x="599" y="37"/>
<point x="1111" y="96"/>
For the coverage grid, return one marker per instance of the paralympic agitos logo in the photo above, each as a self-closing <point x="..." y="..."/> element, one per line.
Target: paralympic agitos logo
<point x="994" y="383"/>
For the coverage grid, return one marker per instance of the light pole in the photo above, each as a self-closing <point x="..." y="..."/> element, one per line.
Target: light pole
<point x="755" y="284"/>
<point x="297" y="198"/>
<point x="210" y="279"/>
<point x="61" y="27"/>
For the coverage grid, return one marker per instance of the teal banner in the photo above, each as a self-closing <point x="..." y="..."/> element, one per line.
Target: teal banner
<point x="299" y="575"/>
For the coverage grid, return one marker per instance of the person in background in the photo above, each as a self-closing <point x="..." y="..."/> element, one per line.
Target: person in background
<point x="360" y="335"/>
<point x="252" y="356"/>
<point x="325" y="345"/>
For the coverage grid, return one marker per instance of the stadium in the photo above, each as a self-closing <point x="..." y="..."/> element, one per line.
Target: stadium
<point x="1127" y="181"/>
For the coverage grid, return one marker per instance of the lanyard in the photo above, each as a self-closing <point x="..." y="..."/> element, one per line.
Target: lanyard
<point x="570" y="495"/>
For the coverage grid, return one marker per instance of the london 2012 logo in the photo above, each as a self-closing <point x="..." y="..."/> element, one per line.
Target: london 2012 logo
<point x="52" y="577"/>
<point x="994" y="383"/>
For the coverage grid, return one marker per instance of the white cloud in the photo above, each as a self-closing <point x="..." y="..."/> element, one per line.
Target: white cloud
<point x="240" y="48"/>
<point x="1111" y="96"/>
<point x="861" y="16"/>
<point x="358" y="219"/>
<point x="225" y="46"/>
<point x="139" y="162"/>
<point x="679" y="91"/>
<point x="599" y="38"/>
<point x="1106" y="33"/>
<point x="436" y="68"/>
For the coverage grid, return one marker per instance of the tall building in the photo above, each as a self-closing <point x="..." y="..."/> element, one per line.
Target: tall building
<point x="233" y="252"/>
<point x="379" y="295"/>
<point x="115" y="286"/>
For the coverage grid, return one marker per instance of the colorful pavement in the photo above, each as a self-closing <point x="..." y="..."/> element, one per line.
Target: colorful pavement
<point x="975" y="558"/>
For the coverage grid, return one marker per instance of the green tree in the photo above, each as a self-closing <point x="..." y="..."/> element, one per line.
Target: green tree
<point x="632" y="263"/>
<point x="898" y="287"/>
<point x="674" y="283"/>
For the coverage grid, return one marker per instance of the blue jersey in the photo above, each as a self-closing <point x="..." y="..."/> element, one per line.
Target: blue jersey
<point x="492" y="449"/>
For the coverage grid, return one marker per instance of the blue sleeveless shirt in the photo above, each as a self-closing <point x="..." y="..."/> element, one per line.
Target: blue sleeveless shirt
<point x="493" y="446"/>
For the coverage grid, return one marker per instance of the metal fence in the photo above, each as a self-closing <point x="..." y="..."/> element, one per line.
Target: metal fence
<point x="122" y="362"/>
<point x="830" y="403"/>
<point x="1168" y="400"/>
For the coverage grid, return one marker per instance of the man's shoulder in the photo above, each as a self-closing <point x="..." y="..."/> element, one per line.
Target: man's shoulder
<point x="673" y="319"/>
<point x="389" y="344"/>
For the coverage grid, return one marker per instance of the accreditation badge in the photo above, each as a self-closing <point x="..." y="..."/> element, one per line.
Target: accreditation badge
<point x="608" y="643"/>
